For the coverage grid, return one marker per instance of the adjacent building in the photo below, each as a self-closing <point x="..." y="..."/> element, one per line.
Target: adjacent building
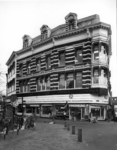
<point x="69" y="63"/>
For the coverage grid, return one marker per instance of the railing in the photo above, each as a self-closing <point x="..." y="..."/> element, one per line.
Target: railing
<point x="103" y="58"/>
<point x="99" y="82"/>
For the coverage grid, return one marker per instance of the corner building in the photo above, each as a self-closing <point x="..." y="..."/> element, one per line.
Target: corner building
<point x="69" y="63"/>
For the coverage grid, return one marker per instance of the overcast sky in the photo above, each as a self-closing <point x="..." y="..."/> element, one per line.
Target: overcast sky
<point x="26" y="17"/>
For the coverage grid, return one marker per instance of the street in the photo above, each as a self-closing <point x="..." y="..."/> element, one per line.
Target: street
<point x="46" y="136"/>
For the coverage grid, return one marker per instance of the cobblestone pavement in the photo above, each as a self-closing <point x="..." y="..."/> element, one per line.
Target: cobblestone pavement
<point x="46" y="136"/>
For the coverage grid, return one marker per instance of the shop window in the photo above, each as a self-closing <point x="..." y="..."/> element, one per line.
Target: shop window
<point x="48" y="62"/>
<point x="102" y="112"/>
<point x="46" y="109"/>
<point x="62" y="81"/>
<point x="38" y="84"/>
<point x="48" y="83"/>
<point x="79" y="58"/>
<point x="96" y="52"/>
<point x="95" y="111"/>
<point x="28" y="67"/>
<point x="96" y="76"/>
<point x="38" y="65"/>
<point x="62" y="59"/>
<point x="70" y="81"/>
<point x="78" y="80"/>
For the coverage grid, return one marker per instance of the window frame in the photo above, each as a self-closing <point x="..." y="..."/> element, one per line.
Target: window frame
<point x="78" y="49"/>
<point x="60" y="53"/>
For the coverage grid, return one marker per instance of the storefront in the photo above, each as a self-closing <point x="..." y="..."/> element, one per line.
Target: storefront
<point x="77" y="112"/>
<point x="84" y="111"/>
<point x="98" y="111"/>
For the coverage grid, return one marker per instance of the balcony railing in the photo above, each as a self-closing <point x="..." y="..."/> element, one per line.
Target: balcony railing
<point x="103" y="58"/>
<point x="99" y="82"/>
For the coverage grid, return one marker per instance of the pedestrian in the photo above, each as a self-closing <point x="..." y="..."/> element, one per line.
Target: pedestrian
<point x="64" y="115"/>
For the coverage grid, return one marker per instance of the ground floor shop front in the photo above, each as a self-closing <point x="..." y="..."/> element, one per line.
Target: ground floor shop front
<point x="74" y="111"/>
<point x="79" y="106"/>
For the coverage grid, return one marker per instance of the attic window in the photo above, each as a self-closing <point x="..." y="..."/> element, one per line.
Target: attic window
<point x="25" y="44"/>
<point x="71" y="24"/>
<point x="44" y="35"/>
<point x="45" y="32"/>
<point x="71" y="21"/>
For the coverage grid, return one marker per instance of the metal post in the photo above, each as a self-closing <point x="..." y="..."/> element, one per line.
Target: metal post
<point x="68" y="127"/>
<point x="79" y="135"/>
<point x="65" y="124"/>
<point x="73" y="129"/>
<point x="22" y="107"/>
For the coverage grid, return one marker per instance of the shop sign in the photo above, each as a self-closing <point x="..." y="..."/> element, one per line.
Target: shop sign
<point x="76" y="105"/>
<point x="34" y="105"/>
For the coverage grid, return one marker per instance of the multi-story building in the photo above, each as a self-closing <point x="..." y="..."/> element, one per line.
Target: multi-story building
<point x="69" y="63"/>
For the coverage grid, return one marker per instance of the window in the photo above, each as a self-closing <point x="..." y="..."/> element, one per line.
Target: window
<point x="70" y="81"/>
<point x="43" y="83"/>
<point x="21" y="69"/>
<point x="62" y="59"/>
<point x="78" y="83"/>
<point x="38" y="84"/>
<point x="48" y="83"/>
<point x="62" y="81"/>
<point x="24" y="86"/>
<point x="71" y="24"/>
<point x="38" y="65"/>
<point x="78" y="55"/>
<point x="28" y="67"/>
<point x="25" y="43"/>
<point x="27" y="86"/>
<point x="21" y="86"/>
<point x="96" y="76"/>
<point x="48" y="63"/>
<point x="44" y="35"/>
<point x="96" y="52"/>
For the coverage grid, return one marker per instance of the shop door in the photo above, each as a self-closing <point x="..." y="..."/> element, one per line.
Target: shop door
<point x="82" y="113"/>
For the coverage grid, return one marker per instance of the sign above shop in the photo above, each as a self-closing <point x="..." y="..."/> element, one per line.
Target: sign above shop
<point x="76" y="105"/>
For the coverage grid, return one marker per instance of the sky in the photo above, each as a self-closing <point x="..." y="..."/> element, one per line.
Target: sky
<point x="18" y="18"/>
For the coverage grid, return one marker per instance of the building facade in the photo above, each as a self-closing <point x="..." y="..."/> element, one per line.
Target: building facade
<point x="69" y="63"/>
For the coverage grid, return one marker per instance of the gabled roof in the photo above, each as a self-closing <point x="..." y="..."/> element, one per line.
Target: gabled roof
<point x="11" y="57"/>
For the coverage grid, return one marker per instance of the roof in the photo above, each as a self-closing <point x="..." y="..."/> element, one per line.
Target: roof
<point x="11" y="57"/>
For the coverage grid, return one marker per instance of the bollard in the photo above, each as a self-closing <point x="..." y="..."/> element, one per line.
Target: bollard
<point x="73" y="129"/>
<point x="79" y="135"/>
<point x="68" y="127"/>
<point x="17" y="131"/>
<point x="65" y="125"/>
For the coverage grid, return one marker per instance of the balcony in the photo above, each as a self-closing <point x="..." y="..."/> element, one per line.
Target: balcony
<point x="103" y="60"/>
<point x="99" y="82"/>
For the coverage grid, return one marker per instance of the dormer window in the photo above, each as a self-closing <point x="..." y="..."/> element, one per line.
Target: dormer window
<point x="25" y="45"/>
<point x="71" y="24"/>
<point x="71" y="21"/>
<point x="27" y="40"/>
<point x="45" y="32"/>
